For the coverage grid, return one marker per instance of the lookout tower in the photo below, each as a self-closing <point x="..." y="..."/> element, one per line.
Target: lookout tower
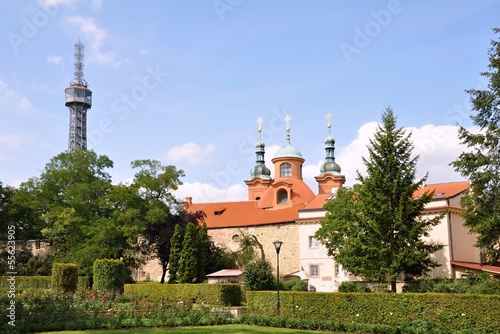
<point x="78" y="100"/>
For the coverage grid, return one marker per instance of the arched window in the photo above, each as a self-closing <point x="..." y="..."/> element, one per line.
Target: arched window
<point x="285" y="169"/>
<point x="282" y="196"/>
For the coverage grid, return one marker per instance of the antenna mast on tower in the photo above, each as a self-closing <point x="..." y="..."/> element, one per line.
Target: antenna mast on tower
<point x="78" y="100"/>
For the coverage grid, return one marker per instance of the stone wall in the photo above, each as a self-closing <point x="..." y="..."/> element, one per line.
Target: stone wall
<point x="288" y="233"/>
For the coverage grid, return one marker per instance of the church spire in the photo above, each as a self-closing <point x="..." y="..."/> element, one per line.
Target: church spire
<point x="260" y="170"/>
<point x="330" y="166"/>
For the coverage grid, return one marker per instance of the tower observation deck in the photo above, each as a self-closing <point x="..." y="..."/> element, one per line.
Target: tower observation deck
<point x="78" y="100"/>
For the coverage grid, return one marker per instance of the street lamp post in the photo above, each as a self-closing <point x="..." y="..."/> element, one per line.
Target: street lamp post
<point x="277" y="245"/>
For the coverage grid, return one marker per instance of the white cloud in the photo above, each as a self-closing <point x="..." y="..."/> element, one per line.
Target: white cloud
<point x="190" y="152"/>
<point x="51" y="59"/>
<point x="54" y="3"/>
<point x="12" y="141"/>
<point x="72" y="4"/>
<point x="10" y="96"/>
<point x="96" y="37"/>
<point x="437" y="146"/>
<point x="96" y="4"/>
<point x="205" y="193"/>
<point x="143" y="52"/>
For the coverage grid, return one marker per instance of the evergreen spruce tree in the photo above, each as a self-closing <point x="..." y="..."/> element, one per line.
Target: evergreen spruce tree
<point x="175" y="253"/>
<point x="203" y="248"/>
<point x="481" y="164"/>
<point x="189" y="261"/>
<point x="375" y="229"/>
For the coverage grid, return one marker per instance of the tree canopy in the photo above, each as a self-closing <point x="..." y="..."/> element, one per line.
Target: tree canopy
<point x="481" y="163"/>
<point x="375" y="228"/>
<point x="85" y="217"/>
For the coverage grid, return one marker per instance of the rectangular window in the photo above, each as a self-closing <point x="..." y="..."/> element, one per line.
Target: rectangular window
<point x="313" y="242"/>
<point x="314" y="270"/>
<point x="337" y="270"/>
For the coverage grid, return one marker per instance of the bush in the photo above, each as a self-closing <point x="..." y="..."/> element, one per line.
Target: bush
<point x="259" y="276"/>
<point x="28" y="282"/>
<point x="474" y="283"/>
<point x="453" y="312"/>
<point x="64" y="277"/>
<point x="294" y="284"/>
<point x="84" y="283"/>
<point x="109" y="275"/>
<point x="227" y="294"/>
<point x="349" y="286"/>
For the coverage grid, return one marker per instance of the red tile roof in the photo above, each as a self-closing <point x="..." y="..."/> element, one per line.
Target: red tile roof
<point x="441" y="191"/>
<point x="477" y="266"/>
<point x="244" y="213"/>
<point x="444" y="190"/>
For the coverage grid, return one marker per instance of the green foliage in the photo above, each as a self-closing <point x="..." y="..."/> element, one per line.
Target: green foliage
<point x="203" y="248"/>
<point x="246" y="253"/>
<point x="227" y="294"/>
<point x="175" y="254"/>
<point x="189" y="261"/>
<point x="109" y="275"/>
<point x="375" y="229"/>
<point x="42" y="312"/>
<point x="16" y="211"/>
<point x="84" y="283"/>
<point x="219" y="258"/>
<point x="473" y="284"/>
<point x="349" y="286"/>
<point x="27" y="282"/>
<point x="64" y="277"/>
<point x="258" y="275"/>
<point x="294" y="284"/>
<point x="27" y="264"/>
<point x="481" y="163"/>
<point x="402" y="312"/>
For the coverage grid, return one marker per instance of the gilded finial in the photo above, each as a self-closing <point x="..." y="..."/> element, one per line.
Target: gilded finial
<point x="287" y="120"/>
<point x="260" y="120"/>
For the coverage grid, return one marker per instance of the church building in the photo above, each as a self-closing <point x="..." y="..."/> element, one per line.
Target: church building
<point x="285" y="208"/>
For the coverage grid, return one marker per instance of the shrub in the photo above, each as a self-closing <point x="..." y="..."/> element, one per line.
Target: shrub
<point x="258" y="276"/>
<point x="349" y="286"/>
<point x="64" y="277"/>
<point x="28" y="282"/>
<point x="109" y="275"/>
<point x="84" y="283"/>
<point x="227" y="294"/>
<point x="453" y="312"/>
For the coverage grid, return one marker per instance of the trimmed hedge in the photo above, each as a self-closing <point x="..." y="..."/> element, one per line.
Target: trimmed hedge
<point x="109" y="275"/>
<point x="27" y="282"/>
<point x="226" y="294"/>
<point x="64" y="277"/>
<point x="450" y="311"/>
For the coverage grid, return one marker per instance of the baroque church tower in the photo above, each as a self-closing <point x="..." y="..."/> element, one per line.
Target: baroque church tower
<point x="330" y="179"/>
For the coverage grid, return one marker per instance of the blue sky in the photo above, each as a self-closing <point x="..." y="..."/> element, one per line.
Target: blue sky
<point x="184" y="82"/>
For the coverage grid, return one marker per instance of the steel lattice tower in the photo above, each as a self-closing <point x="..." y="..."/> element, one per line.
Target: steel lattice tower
<point x="78" y="100"/>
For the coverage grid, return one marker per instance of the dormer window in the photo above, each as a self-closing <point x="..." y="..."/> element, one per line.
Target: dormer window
<point x="219" y="212"/>
<point x="282" y="196"/>
<point x="285" y="170"/>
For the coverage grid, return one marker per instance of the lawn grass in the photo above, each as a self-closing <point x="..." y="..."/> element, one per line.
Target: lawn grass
<point x="222" y="329"/>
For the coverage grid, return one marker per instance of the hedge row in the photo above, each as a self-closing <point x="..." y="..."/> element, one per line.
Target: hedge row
<point x="109" y="275"/>
<point x="41" y="282"/>
<point x="451" y="311"/>
<point x="27" y="282"/>
<point x="211" y="294"/>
